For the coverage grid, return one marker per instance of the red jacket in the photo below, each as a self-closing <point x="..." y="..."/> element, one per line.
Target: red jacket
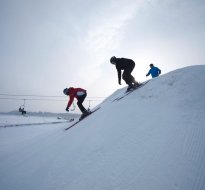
<point x="73" y="93"/>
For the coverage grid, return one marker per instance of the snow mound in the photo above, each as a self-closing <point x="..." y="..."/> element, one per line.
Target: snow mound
<point x="153" y="139"/>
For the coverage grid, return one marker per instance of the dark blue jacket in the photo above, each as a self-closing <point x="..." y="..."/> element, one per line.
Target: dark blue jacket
<point x="154" y="71"/>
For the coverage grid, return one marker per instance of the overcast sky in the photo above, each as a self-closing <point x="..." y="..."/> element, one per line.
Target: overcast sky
<point x="47" y="45"/>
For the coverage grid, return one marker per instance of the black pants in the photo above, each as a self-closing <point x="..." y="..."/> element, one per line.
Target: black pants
<point x="80" y="102"/>
<point x="127" y="77"/>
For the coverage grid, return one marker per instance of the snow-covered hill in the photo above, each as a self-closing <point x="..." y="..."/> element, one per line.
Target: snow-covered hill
<point x="153" y="139"/>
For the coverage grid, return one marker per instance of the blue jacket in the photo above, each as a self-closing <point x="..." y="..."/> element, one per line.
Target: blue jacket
<point x="154" y="71"/>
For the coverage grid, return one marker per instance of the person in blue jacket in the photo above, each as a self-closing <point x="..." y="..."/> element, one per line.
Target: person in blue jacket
<point x="154" y="71"/>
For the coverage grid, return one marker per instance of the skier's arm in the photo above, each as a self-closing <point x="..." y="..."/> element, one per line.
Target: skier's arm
<point x="159" y="71"/>
<point x="148" y="74"/>
<point x="119" y="75"/>
<point x="70" y="100"/>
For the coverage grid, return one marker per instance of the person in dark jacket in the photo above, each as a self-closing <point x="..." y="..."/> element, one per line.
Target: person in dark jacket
<point x="127" y="65"/>
<point x="154" y="71"/>
<point x="78" y="93"/>
<point x="22" y="111"/>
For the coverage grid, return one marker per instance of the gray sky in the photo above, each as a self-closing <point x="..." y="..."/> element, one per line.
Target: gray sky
<point x="47" y="45"/>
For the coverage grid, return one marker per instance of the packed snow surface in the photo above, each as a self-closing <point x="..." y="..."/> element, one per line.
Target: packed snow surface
<point x="153" y="139"/>
<point x="24" y="120"/>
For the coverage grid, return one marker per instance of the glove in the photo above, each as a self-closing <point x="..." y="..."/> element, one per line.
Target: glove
<point x="67" y="109"/>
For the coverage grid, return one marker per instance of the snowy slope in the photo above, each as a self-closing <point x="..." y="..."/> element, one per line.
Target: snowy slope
<point x="153" y="139"/>
<point x="7" y="120"/>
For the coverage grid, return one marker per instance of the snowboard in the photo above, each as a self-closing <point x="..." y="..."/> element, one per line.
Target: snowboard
<point x="130" y="91"/>
<point x="82" y="119"/>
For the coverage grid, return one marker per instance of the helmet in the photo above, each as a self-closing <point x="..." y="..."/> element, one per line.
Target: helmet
<point x="65" y="91"/>
<point x="112" y="59"/>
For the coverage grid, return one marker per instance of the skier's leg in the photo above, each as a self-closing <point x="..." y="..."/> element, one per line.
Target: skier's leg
<point x="134" y="81"/>
<point x="130" y="79"/>
<point x="127" y="77"/>
<point x="80" y="103"/>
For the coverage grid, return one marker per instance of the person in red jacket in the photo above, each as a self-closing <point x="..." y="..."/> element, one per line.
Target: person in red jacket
<point x="80" y="95"/>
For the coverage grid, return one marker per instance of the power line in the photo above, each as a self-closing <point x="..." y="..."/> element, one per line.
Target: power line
<point x="38" y="99"/>
<point x="30" y="99"/>
<point x="47" y="99"/>
<point x="28" y="95"/>
<point x="42" y="96"/>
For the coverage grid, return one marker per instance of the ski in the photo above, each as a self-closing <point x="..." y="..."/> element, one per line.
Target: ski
<point x="128" y="92"/>
<point x="81" y="119"/>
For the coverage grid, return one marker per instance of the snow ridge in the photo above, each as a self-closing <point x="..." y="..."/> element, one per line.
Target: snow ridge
<point x="153" y="139"/>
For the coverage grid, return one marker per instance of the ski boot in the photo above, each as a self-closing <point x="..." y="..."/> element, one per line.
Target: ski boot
<point x="136" y="84"/>
<point x="130" y="87"/>
<point x="84" y="114"/>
